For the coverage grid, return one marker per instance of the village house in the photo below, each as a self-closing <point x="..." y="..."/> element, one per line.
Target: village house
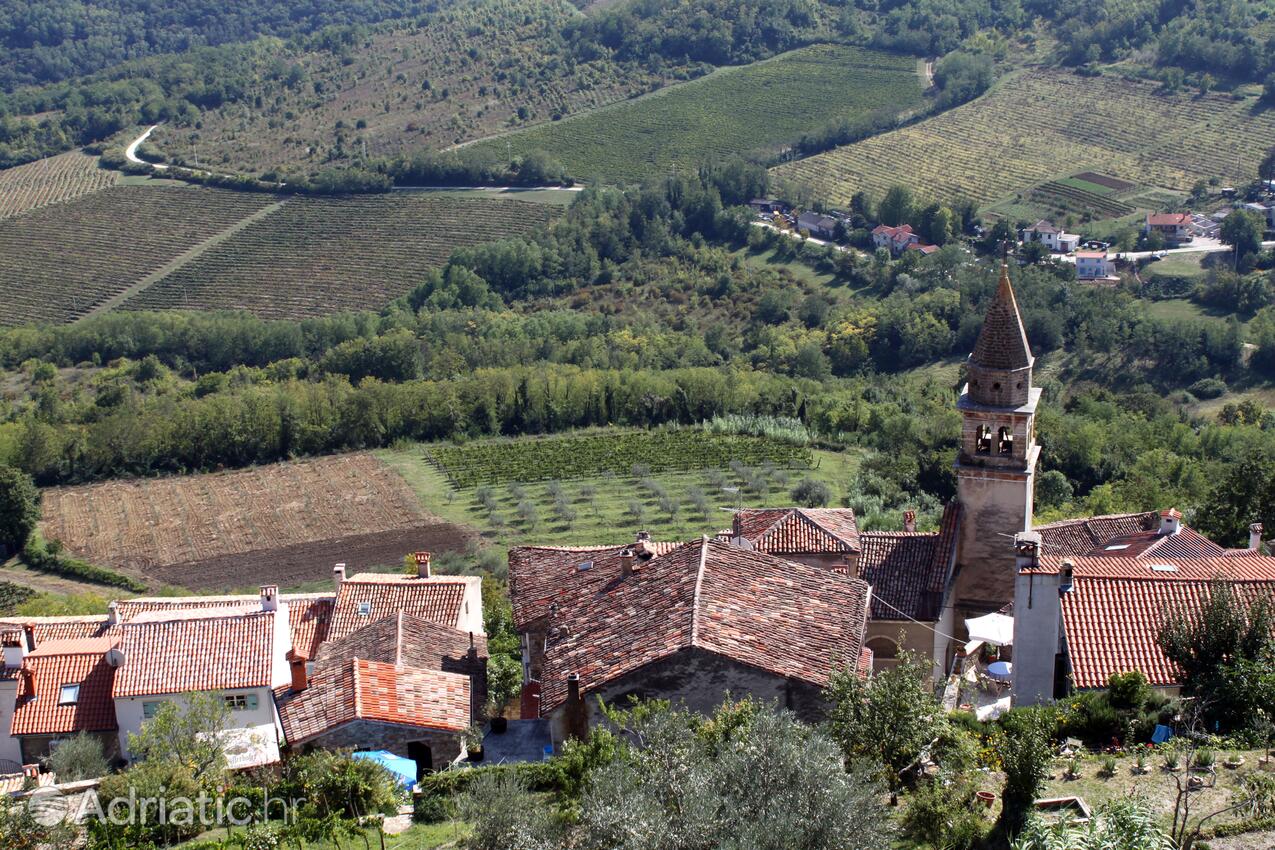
<point x="1094" y="266"/>
<point x="1174" y="227"/>
<point x="1091" y="596"/>
<point x="895" y="239"/>
<point x="766" y="206"/>
<point x="396" y="662"/>
<point x="817" y="225"/>
<point x="690" y="624"/>
<point x="1053" y="238"/>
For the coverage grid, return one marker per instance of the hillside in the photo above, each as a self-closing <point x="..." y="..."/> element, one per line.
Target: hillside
<point x="757" y="108"/>
<point x="1043" y="124"/>
<point x="48" y="181"/>
<point x="463" y="73"/>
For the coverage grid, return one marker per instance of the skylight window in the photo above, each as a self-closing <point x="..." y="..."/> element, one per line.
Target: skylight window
<point x="585" y="566"/>
<point x="1116" y="547"/>
<point x="69" y="695"/>
<point x="1164" y="568"/>
<point x="365" y="608"/>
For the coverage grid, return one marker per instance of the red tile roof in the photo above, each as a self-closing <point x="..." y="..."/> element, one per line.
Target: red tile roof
<point x="54" y="664"/>
<point x="1111" y="624"/>
<point x="408" y="641"/>
<point x="788" y="619"/>
<point x="798" y="531"/>
<point x="1169" y="219"/>
<point x="541" y="575"/>
<point x="211" y="653"/>
<point x="309" y="614"/>
<point x="59" y="628"/>
<point x="375" y="691"/>
<point x="910" y="571"/>
<point x="1082" y="536"/>
<point x="440" y="599"/>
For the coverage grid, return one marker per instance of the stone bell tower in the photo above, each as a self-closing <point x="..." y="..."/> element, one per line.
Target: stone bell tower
<point x="996" y="465"/>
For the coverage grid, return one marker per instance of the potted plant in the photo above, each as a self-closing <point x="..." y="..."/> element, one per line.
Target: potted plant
<point x="1140" y="765"/>
<point x="1233" y="761"/>
<point x="1108" y="768"/>
<point x="1073" y="769"/>
<point x="472" y="739"/>
<point x="1172" y="761"/>
<point x="987" y="798"/>
<point x="1204" y="761"/>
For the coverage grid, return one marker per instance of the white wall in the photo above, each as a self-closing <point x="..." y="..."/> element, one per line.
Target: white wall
<point x="1037" y="633"/>
<point x="471" y="611"/>
<point x="10" y="748"/>
<point x="128" y="713"/>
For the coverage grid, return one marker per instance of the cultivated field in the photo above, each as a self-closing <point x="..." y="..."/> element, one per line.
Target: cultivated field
<point x="317" y="256"/>
<point x="47" y="181"/>
<point x="1035" y="126"/>
<point x="456" y="74"/>
<point x="286" y="523"/>
<point x="61" y="261"/>
<point x="759" y="107"/>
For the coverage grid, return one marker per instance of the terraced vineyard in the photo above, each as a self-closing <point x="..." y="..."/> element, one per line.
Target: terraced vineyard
<point x="47" y="181"/>
<point x="322" y="255"/>
<point x="733" y="111"/>
<point x="1037" y="125"/>
<point x="61" y="261"/>
<point x="499" y="461"/>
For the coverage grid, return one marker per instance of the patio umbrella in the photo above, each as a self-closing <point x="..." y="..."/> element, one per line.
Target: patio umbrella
<point x="403" y="769"/>
<point x="996" y="629"/>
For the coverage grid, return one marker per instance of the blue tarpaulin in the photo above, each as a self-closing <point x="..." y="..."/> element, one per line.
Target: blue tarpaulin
<point x="404" y="769"/>
<point x="1161" y="734"/>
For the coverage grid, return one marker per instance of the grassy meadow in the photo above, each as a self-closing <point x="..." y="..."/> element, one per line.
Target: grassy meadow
<point x="758" y="107"/>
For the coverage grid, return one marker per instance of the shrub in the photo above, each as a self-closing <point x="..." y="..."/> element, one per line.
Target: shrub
<point x="78" y="758"/>
<point x="1108" y="768"/>
<point x="1207" y="388"/>
<point x="810" y="493"/>
<point x="943" y="814"/>
<point x="1025" y="750"/>
<point x="19" y="508"/>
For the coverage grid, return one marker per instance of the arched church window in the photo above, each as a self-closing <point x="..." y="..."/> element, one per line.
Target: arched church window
<point x="983" y="440"/>
<point x="1005" y="442"/>
<point x="883" y="648"/>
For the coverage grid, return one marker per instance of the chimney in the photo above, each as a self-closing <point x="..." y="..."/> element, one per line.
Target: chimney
<point x="1255" y="537"/>
<point x="1027" y="550"/>
<point x="1170" y="522"/>
<point x="1065" y="576"/>
<point x="269" y="597"/>
<point x="909" y="520"/>
<point x="31" y="771"/>
<point x="422" y="564"/>
<point x="577" y="715"/>
<point x="28" y="636"/>
<point x="643" y="537"/>
<point x="627" y="557"/>
<point x="113" y="613"/>
<point x="300" y="679"/>
<point x="338" y="575"/>
<point x="28" y="680"/>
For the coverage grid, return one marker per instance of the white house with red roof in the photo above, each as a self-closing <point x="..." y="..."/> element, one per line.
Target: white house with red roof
<point x="1053" y="238"/>
<point x="418" y="681"/>
<point x="1176" y="228"/>
<point x="1088" y="605"/>
<point x="1094" y="266"/>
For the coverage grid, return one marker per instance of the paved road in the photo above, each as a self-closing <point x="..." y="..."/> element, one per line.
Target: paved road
<point x="130" y="152"/>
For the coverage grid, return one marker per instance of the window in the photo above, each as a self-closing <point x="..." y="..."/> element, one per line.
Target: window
<point x="150" y="709"/>
<point x="365" y="608"/>
<point x="983" y="440"/>
<point x="241" y="702"/>
<point x="69" y="695"/>
<point x="883" y="649"/>
<point x="1005" y="442"/>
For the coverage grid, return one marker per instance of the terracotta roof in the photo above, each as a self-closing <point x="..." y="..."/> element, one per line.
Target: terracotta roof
<point x="440" y="599"/>
<point x="375" y="691"/>
<point x="1042" y="226"/>
<point x="909" y="571"/>
<point x="309" y="614"/>
<point x="788" y="619"/>
<point x="214" y="653"/>
<point x="1165" y="219"/>
<point x="55" y="663"/>
<point x="59" y="628"/>
<point x="1082" y="536"/>
<point x="406" y="640"/>
<point x="541" y="575"/>
<point x="1250" y="567"/>
<point x="798" y="531"/>
<point x="1091" y="255"/>
<point x="1002" y="343"/>
<point x="1111" y="624"/>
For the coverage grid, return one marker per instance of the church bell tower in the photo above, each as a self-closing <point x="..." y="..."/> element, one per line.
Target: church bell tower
<point x="996" y="465"/>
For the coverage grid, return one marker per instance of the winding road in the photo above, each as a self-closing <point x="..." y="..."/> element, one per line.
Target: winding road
<point x="130" y="152"/>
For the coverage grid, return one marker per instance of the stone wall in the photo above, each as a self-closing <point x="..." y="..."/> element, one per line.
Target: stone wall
<point x="445" y="747"/>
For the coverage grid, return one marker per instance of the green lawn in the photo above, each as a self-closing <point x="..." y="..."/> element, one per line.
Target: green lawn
<point x="733" y="111"/>
<point x="1177" y="265"/>
<point x="608" y="508"/>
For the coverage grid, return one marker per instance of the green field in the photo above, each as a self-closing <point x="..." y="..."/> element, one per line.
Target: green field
<point x="758" y="107"/>
<point x="603" y="508"/>
<point x="1039" y="125"/>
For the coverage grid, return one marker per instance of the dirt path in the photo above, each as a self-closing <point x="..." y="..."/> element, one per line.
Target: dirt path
<point x="130" y="152"/>
<point x="1245" y="841"/>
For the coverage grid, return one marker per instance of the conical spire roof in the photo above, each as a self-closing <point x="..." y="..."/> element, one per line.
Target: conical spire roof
<point x="1002" y="343"/>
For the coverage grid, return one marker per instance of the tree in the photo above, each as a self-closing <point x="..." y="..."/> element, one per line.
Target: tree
<point x="811" y="493"/>
<point x="1242" y="230"/>
<point x="185" y="732"/>
<point x="78" y="758"/>
<point x="504" y="679"/>
<point x="897" y="206"/>
<point x="1221" y="647"/>
<point x="1024" y="747"/>
<point x="505" y="815"/>
<point x="1246" y="494"/>
<point x="1266" y="170"/>
<point x="19" y="508"/>
<point x="1053" y="490"/>
<point x="887" y="719"/>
